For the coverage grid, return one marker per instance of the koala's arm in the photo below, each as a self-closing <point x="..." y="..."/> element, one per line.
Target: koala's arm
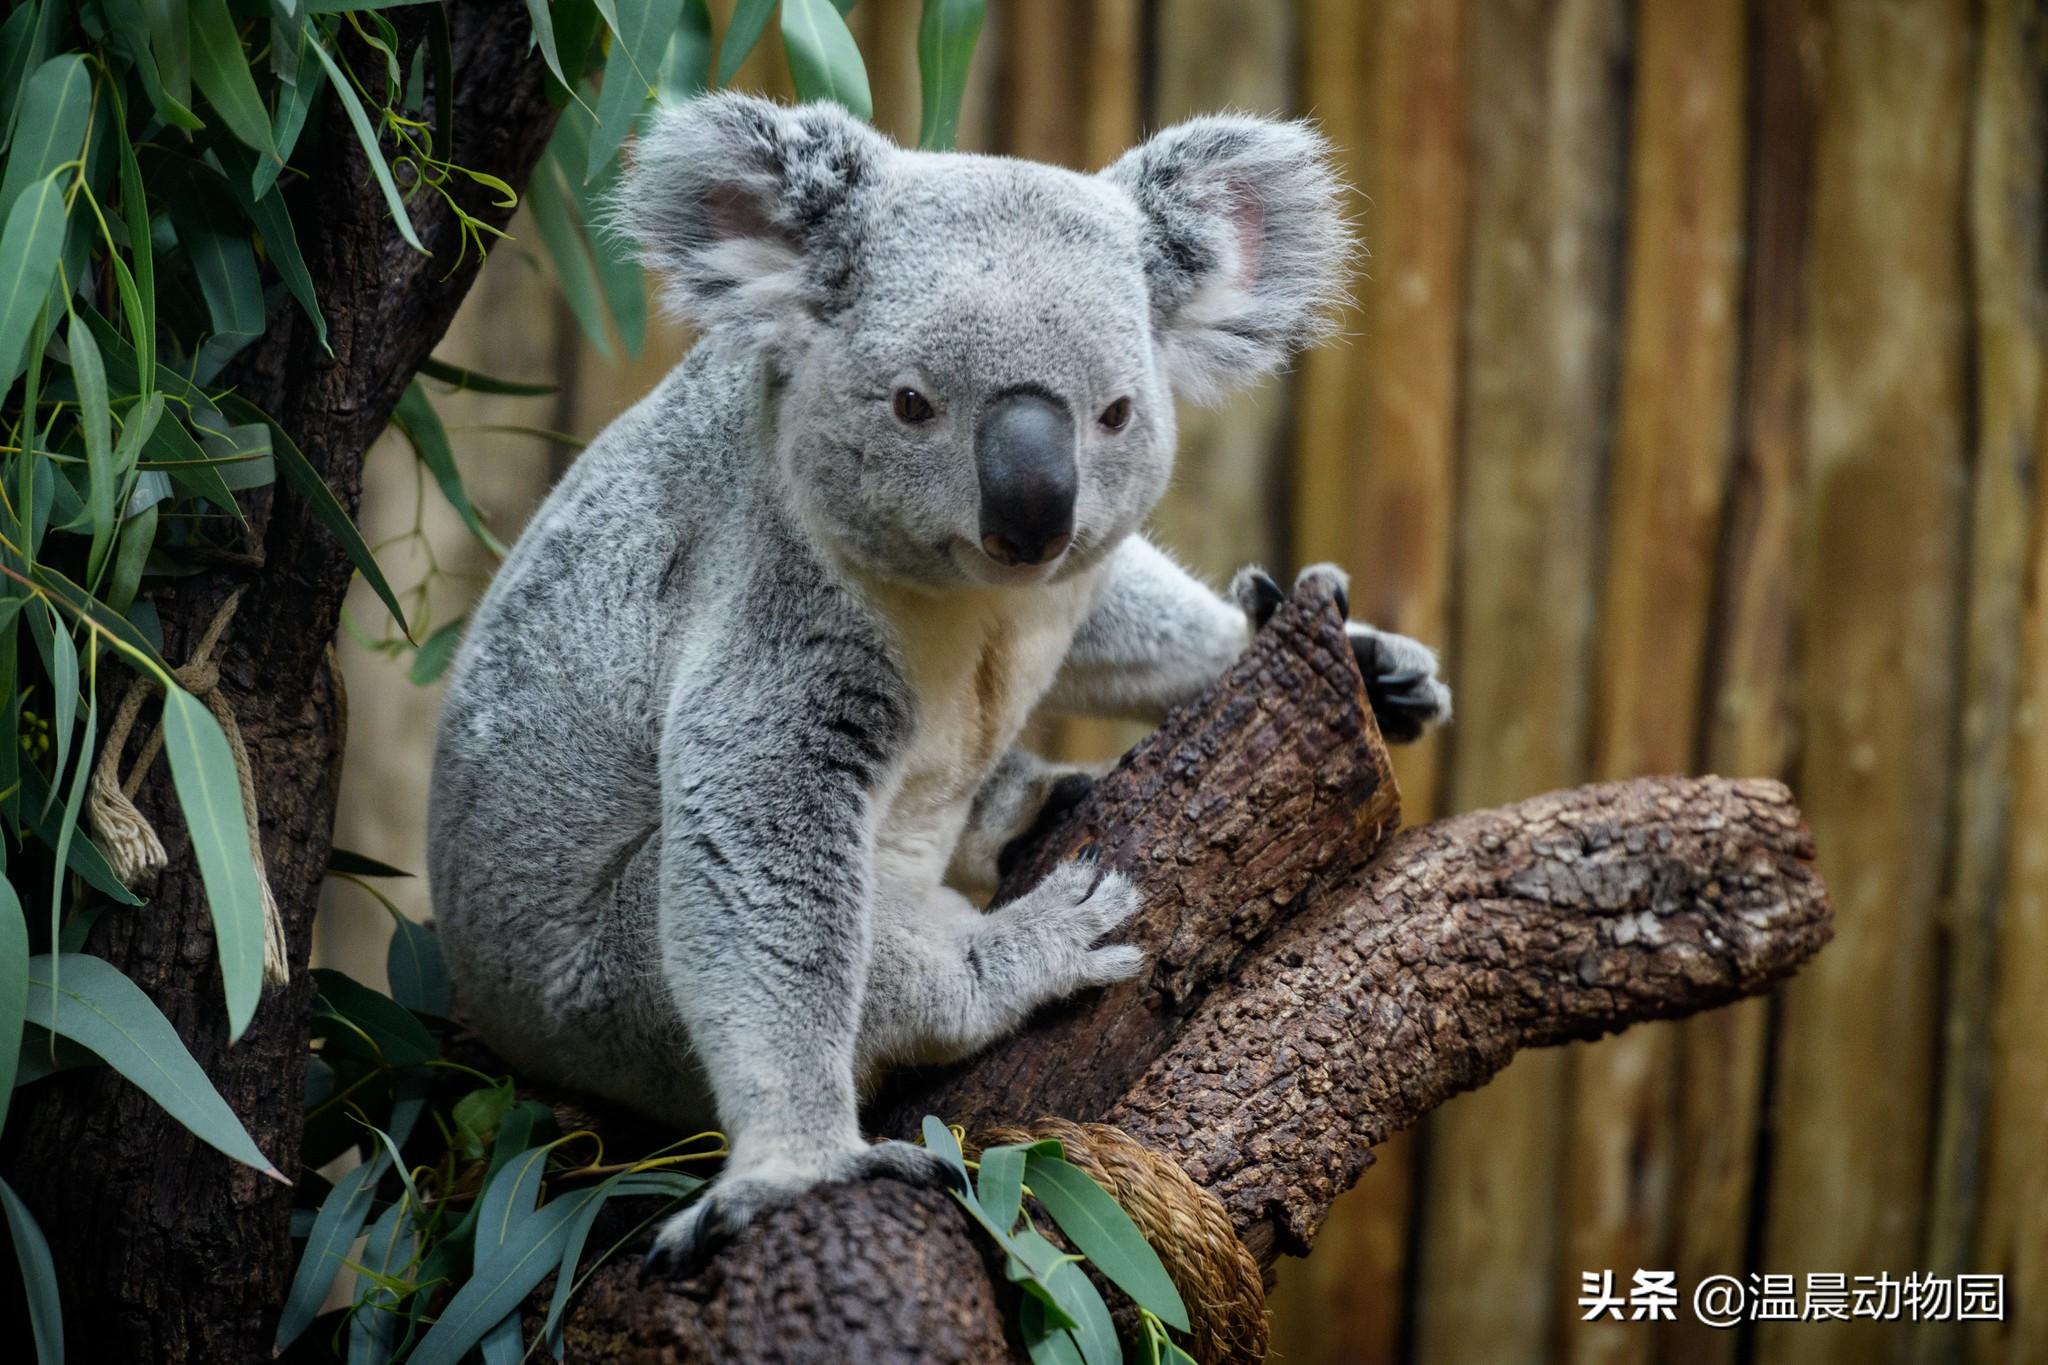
<point x="1158" y="636"/>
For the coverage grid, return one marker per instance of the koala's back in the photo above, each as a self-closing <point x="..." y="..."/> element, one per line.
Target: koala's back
<point x="545" y="781"/>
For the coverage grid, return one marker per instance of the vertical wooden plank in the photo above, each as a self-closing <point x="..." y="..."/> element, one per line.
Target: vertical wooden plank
<point x="1374" y="471"/>
<point x="1223" y="509"/>
<point x="1547" y="118"/>
<point x="1988" y="1193"/>
<point x="1685" y="222"/>
<point x="1886" y="466"/>
<point x="1721" y="1056"/>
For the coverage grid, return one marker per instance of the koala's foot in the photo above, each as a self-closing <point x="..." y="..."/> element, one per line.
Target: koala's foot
<point x="1039" y="947"/>
<point x="688" y="1241"/>
<point x="1400" y="673"/>
<point x="1021" y="799"/>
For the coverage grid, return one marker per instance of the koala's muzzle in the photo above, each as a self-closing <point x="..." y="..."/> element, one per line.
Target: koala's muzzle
<point x="1024" y="455"/>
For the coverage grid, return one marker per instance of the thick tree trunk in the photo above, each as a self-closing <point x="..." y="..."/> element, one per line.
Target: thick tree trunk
<point x="166" y="1250"/>
<point x="1309" y="997"/>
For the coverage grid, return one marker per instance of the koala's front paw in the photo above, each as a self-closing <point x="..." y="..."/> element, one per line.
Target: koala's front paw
<point x="1401" y="682"/>
<point x="1400" y="674"/>
<point x="1061" y="918"/>
<point x="688" y="1241"/>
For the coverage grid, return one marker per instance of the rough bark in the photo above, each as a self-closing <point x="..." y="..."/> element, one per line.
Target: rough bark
<point x="1309" y="997"/>
<point x="167" y="1251"/>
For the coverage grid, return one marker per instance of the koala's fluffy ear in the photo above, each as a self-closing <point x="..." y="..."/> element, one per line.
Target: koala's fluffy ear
<point x="745" y="207"/>
<point x="1246" y="247"/>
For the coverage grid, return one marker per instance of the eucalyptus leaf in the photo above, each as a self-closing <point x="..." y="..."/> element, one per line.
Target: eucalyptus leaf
<point x="640" y="32"/>
<point x="102" y="1010"/>
<point x="1000" y="1184"/>
<point x="824" y="60"/>
<point x="421" y="425"/>
<point x="367" y="137"/>
<point x="13" y="988"/>
<point x="221" y="70"/>
<point x="946" y="34"/>
<point x="342" y="1215"/>
<point x="1093" y="1330"/>
<point x="548" y="196"/>
<point x="531" y="1248"/>
<point x="96" y="415"/>
<point x="38" y="1278"/>
<point x="419" y="977"/>
<point x="361" y="864"/>
<point x="55" y="106"/>
<point x="210" y="797"/>
<point x="434" y="656"/>
<point x="1100" y="1230"/>
<point x="478" y="382"/>
<point x="397" y="1037"/>
<point x="30" y="244"/>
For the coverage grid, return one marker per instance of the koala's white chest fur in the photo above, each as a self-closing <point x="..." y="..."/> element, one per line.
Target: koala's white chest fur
<point x="977" y="663"/>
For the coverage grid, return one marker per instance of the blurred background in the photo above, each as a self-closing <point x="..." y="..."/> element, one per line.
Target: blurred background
<point x="1693" y="401"/>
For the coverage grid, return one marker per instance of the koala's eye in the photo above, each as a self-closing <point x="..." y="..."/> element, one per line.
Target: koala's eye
<point x="1117" y="415"/>
<point x="913" y="407"/>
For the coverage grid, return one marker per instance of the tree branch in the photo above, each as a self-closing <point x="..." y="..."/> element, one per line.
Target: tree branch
<point x="1309" y="997"/>
<point x="166" y="1250"/>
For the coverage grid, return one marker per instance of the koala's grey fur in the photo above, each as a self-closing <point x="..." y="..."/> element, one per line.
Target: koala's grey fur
<point x="746" y="689"/>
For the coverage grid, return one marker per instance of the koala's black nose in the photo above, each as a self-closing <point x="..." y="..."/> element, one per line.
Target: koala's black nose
<point x="1024" y="453"/>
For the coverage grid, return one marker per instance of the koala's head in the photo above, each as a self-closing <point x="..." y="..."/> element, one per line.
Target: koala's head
<point x="974" y="358"/>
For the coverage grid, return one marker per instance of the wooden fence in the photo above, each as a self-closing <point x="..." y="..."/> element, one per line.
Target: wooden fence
<point x="1694" y="403"/>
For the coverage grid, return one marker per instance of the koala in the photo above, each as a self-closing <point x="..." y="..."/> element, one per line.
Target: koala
<point x="734" y="724"/>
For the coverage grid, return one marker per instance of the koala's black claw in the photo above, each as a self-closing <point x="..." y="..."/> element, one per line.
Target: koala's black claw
<point x="1070" y="791"/>
<point x="1260" y="596"/>
<point x="1391" y="683"/>
<point x="658" y="1264"/>
<point x="1343" y="602"/>
<point x="1089" y="855"/>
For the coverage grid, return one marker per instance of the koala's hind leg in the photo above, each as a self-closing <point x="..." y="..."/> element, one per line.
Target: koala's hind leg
<point x="1022" y="796"/>
<point x="946" y="979"/>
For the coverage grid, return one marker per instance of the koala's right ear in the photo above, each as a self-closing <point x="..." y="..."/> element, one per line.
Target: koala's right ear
<point x="744" y="206"/>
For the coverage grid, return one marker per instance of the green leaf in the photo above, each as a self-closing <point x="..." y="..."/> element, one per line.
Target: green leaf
<point x="419" y="978"/>
<point x="141" y="250"/>
<point x="360" y="865"/>
<point x="131" y="555"/>
<point x="544" y="34"/>
<point x="478" y="382"/>
<point x="221" y="70"/>
<point x="1100" y="1230"/>
<point x="434" y="656"/>
<point x="55" y="106"/>
<point x="641" y="30"/>
<point x="477" y="1116"/>
<point x="281" y="244"/>
<point x="398" y="1038"/>
<point x="13" y="988"/>
<point x="1044" y="1341"/>
<point x="940" y="1142"/>
<point x="29" y="247"/>
<point x="102" y="1010"/>
<point x="388" y="1251"/>
<point x="824" y="60"/>
<point x="170" y="42"/>
<point x="96" y="415"/>
<point x="60" y="662"/>
<point x="342" y="1215"/>
<point x="946" y="35"/>
<point x="307" y="483"/>
<point x="749" y="22"/>
<point x="416" y="417"/>
<point x="293" y="104"/>
<point x="38" y="1279"/>
<point x="218" y="247"/>
<point x="532" y="1246"/>
<point x="686" y="67"/>
<point x="1001" y="1184"/>
<point x="1093" y="1330"/>
<point x="618" y="270"/>
<point x="367" y="136"/>
<point x="210" y="796"/>
<point x="547" y="195"/>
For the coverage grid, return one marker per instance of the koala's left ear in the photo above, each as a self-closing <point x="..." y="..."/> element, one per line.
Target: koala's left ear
<point x="1246" y="247"/>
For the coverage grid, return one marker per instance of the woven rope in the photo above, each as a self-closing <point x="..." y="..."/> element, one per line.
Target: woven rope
<point x="133" y="850"/>
<point x="1218" y="1279"/>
